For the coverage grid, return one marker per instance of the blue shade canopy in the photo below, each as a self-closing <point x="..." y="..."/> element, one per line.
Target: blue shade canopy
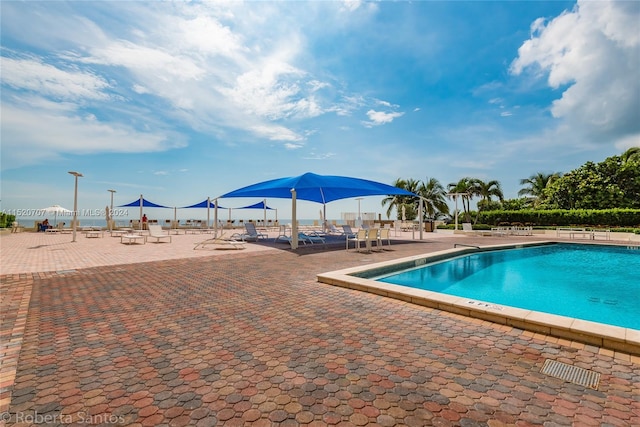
<point x="203" y="204"/>
<point x="318" y="188"/>
<point x="145" y="204"/>
<point x="259" y="205"/>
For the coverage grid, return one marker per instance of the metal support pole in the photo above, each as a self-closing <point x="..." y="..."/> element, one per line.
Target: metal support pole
<point x="75" y="203"/>
<point x="109" y="226"/>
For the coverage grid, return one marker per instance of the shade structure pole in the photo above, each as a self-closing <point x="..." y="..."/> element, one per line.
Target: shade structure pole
<point x="208" y="206"/>
<point x="420" y="207"/>
<point x="141" y="211"/>
<point x="294" y="222"/>
<point x="325" y="224"/>
<point x="215" y="218"/>
<point x="264" y="212"/>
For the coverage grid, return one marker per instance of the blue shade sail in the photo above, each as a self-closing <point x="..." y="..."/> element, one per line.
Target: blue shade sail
<point x="145" y="204"/>
<point x="203" y="204"/>
<point x="318" y="188"/>
<point x="259" y="205"/>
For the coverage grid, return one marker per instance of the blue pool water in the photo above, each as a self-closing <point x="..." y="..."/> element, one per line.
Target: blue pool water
<point x="597" y="283"/>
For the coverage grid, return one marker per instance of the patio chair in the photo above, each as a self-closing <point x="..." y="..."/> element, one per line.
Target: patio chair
<point x="360" y="236"/>
<point x="372" y="237"/>
<point x="385" y="234"/>
<point x="156" y="232"/>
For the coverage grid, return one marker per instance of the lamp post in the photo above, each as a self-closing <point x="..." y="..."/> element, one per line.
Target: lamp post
<point x="111" y="209"/>
<point x="112" y="191"/>
<point x="75" y="203"/>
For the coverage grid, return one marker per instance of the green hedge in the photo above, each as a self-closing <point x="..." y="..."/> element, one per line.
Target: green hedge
<point x="566" y="217"/>
<point x="6" y="220"/>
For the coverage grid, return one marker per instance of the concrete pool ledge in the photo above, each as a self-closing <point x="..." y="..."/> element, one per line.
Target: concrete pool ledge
<point x="615" y="338"/>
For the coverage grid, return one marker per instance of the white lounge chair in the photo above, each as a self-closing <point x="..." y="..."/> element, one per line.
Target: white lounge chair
<point x="468" y="229"/>
<point x="251" y="235"/>
<point x="221" y="243"/>
<point x="311" y="238"/>
<point x="332" y="229"/>
<point x="156" y="232"/>
<point x="347" y="231"/>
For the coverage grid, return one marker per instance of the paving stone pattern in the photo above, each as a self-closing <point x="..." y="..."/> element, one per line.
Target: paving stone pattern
<point x="251" y="339"/>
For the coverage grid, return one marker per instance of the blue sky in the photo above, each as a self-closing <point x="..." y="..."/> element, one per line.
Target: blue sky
<point x="184" y="101"/>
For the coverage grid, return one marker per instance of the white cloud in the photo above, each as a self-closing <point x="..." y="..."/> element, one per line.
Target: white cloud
<point x="351" y="5"/>
<point x="32" y="135"/>
<point x="377" y="118"/>
<point x="318" y="156"/>
<point x="33" y="75"/>
<point x="290" y="146"/>
<point x="623" y="144"/>
<point x="593" y="51"/>
<point x="275" y="133"/>
<point x="211" y="67"/>
<point x="140" y="89"/>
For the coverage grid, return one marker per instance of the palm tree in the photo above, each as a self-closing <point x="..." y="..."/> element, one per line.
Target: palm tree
<point x="631" y="154"/>
<point x="487" y="190"/>
<point x="536" y="185"/>
<point x="411" y="185"/>
<point x="467" y="188"/>
<point x="433" y="195"/>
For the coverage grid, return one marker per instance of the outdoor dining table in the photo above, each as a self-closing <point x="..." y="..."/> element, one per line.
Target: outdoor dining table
<point x="132" y="238"/>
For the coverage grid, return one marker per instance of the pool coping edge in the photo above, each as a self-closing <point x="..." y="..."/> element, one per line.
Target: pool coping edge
<point x="625" y="340"/>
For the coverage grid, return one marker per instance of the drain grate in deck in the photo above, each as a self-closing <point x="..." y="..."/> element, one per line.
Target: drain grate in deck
<point x="571" y="373"/>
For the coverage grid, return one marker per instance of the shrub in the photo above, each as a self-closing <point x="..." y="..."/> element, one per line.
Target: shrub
<point x="566" y="217"/>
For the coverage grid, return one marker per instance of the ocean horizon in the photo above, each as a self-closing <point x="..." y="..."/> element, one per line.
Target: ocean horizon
<point x="97" y="222"/>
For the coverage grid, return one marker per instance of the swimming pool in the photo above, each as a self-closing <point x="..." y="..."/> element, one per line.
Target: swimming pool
<point x="604" y="335"/>
<point x="590" y="282"/>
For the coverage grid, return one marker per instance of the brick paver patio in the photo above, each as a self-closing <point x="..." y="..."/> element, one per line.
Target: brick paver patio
<point x="251" y="339"/>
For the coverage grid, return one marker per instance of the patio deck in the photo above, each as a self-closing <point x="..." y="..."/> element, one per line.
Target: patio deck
<point x="251" y="338"/>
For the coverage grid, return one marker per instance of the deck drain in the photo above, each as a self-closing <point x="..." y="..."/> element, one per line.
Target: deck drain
<point x="571" y="373"/>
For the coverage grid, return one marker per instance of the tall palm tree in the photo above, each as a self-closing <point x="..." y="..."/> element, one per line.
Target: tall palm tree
<point x="487" y="190"/>
<point x="536" y="185"/>
<point x="434" y="196"/>
<point x="397" y="202"/>
<point x="467" y="188"/>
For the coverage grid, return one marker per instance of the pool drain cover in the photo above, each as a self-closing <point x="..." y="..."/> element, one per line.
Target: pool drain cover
<point x="571" y="373"/>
